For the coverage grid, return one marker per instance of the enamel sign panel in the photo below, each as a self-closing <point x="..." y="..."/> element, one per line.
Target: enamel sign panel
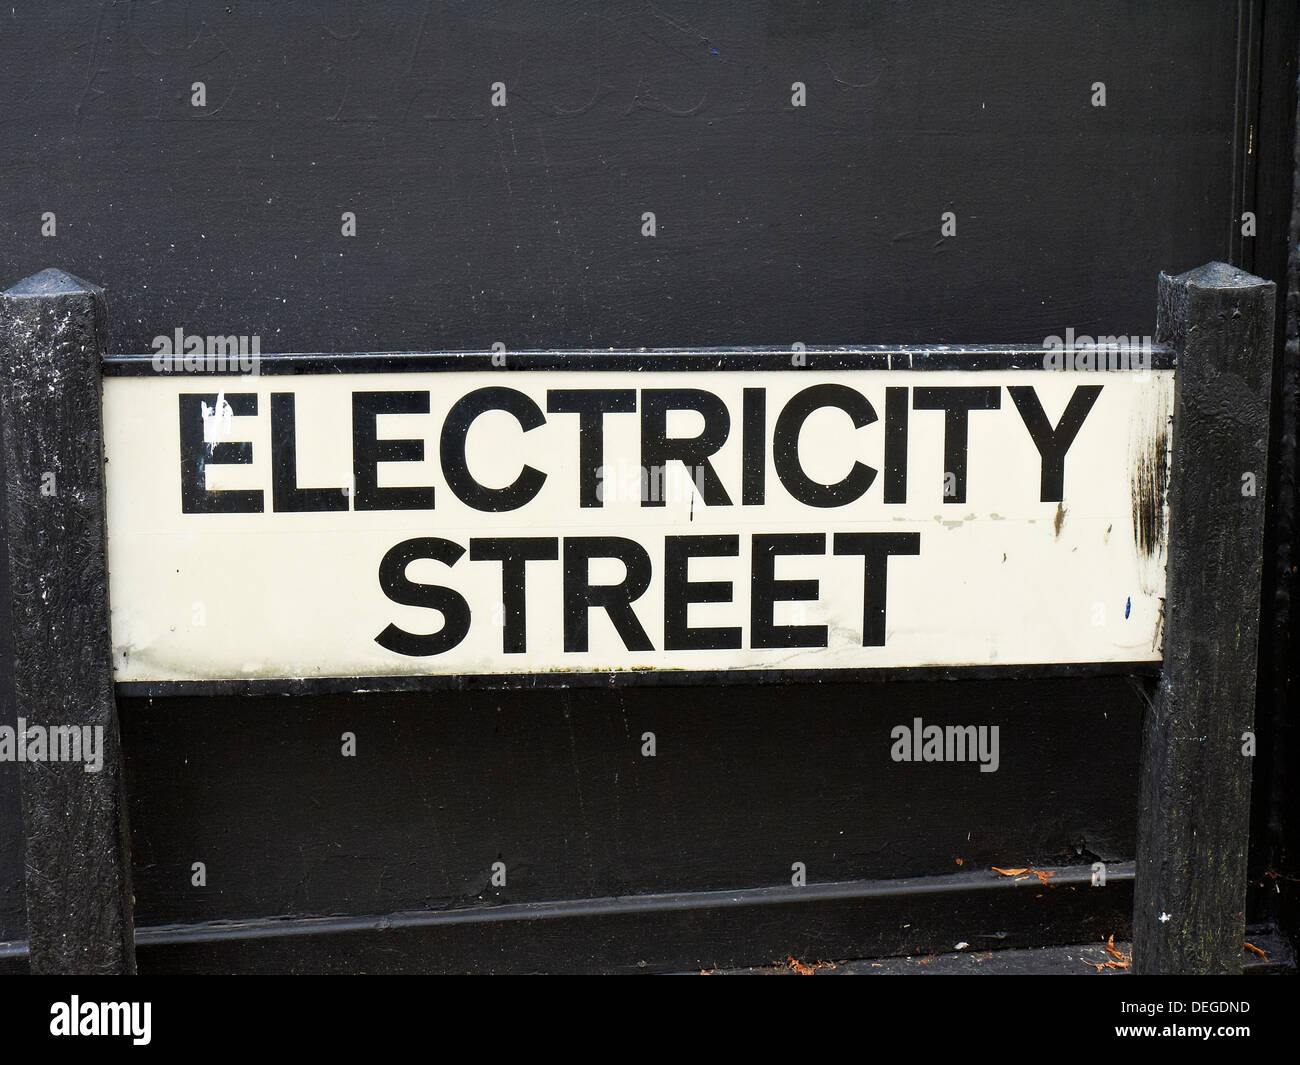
<point x="406" y="516"/>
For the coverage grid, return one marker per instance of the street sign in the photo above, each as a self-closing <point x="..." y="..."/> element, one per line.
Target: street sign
<point x="384" y="516"/>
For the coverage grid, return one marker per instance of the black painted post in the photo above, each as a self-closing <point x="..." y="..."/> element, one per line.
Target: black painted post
<point x="1194" y="815"/>
<point x="53" y="332"/>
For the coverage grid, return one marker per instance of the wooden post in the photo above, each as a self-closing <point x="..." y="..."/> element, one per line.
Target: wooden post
<point x="53" y="332"/>
<point x="1194" y="815"/>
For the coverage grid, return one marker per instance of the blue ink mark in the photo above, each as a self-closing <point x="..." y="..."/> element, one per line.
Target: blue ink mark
<point x="1128" y="607"/>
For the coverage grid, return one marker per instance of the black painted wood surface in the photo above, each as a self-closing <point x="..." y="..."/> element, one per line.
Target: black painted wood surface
<point x="522" y="224"/>
<point x="77" y="876"/>
<point x="746" y="780"/>
<point x="1199" y="737"/>
<point x="1275" y="819"/>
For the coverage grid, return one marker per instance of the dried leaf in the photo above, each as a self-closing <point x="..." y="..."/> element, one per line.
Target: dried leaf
<point x="808" y="970"/>
<point x="1009" y="872"/>
<point x="1099" y="966"/>
<point x="1125" y="960"/>
<point x="1256" y="951"/>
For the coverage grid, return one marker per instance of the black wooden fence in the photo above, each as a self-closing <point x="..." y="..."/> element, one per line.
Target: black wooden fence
<point x="1188" y="888"/>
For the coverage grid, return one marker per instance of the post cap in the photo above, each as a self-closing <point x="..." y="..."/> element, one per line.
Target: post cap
<point x="51" y="282"/>
<point x="1215" y="275"/>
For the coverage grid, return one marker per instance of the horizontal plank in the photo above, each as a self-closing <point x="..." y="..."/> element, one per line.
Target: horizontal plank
<point x="858" y="357"/>
<point x="624" y="678"/>
<point x="666" y="932"/>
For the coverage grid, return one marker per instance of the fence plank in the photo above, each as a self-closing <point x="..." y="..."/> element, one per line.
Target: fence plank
<point x="52" y="339"/>
<point x="1189" y="895"/>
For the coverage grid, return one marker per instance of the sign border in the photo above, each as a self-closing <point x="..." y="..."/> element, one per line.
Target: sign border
<point x="875" y="357"/>
<point x="860" y="357"/>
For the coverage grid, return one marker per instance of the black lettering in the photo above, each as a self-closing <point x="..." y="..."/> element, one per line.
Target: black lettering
<point x="196" y="456"/>
<point x="766" y="590"/>
<point x="455" y="468"/>
<point x="514" y="553"/>
<point x="591" y="405"/>
<point x="680" y="592"/>
<point x="693" y="452"/>
<point x="400" y="589"/>
<point x="956" y="403"/>
<point x="580" y="595"/>
<point x="1052" y="443"/>
<point x="785" y="446"/>
<point x="368" y="451"/>
<point x="753" y="488"/>
<point x="875" y="549"/>
<point x="286" y="496"/>
<point x="895" y="445"/>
